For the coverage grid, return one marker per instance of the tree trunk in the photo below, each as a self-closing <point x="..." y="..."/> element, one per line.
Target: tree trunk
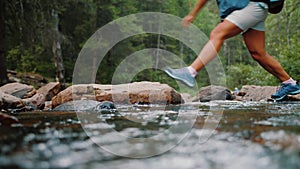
<point x="3" y="67"/>
<point x="57" y="51"/>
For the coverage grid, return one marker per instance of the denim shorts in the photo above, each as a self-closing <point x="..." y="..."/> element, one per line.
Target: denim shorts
<point x="252" y="16"/>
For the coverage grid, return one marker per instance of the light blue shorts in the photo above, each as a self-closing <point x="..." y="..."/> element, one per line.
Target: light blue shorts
<point x="252" y="16"/>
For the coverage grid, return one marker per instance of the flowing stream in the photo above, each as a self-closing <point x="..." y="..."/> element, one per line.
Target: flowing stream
<point x="248" y="135"/>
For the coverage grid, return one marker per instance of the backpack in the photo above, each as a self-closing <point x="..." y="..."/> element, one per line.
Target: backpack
<point x="275" y="6"/>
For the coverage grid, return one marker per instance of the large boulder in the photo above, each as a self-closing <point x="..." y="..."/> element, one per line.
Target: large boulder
<point x="213" y="92"/>
<point x="138" y="92"/>
<point x="19" y="90"/>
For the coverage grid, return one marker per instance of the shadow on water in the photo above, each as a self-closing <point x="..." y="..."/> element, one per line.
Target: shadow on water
<point x="250" y="135"/>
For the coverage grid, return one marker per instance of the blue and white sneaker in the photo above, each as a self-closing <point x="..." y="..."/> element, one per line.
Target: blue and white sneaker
<point x="286" y="89"/>
<point x="182" y="75"/>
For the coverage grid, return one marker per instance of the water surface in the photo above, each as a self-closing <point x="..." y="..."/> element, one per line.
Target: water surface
<point x="250" y="135"/>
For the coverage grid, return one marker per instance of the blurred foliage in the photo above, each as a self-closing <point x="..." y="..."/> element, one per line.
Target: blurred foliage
<point x="29" y="35"/>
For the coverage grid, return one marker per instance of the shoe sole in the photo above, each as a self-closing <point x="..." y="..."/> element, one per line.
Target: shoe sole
<point x="182" y="80"/>
<point x="292" y="93"/>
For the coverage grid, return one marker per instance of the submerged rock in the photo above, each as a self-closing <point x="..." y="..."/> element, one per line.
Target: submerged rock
<point x="105" y="105"/>
<point x="86" y="105"/>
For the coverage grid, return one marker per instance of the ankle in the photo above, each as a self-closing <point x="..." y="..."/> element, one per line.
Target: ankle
<point x="290" y="81"/>
<point x="192" y="71"/>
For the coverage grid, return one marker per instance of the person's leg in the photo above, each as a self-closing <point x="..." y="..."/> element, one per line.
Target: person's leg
<point x="237" y="22"/>
<point x="255" y="42"/>
<point x="221" y="32"/>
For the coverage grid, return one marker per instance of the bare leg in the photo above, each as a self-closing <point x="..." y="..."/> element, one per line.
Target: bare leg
<point x="221" y="32"/>
<point x="255" y="42"/>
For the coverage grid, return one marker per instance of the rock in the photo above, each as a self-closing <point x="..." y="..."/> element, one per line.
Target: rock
<point x="7" y="120"/>
<point x="105" y="105"/>
<point x="187" y="97"/>
<point x="26" y="78"/>
<point x="256" y="93"/>
<point x="261" y="93"/>
<point x="75" y="92"/>
<point x="43" y="94"/>
<point x="48" y="106"/>
<point x="35" y="102"/>
<point x="77" y="105"/>
<point x="138" y="92"/>
<point x="9" y="101"/>
<point x="50" y="90"/>
<point x="18" y="90"/>
<point x="213" y="92"/>
<point x="86" y="105"/>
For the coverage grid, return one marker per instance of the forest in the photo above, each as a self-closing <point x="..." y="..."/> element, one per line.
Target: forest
<point x="45" y="37"/>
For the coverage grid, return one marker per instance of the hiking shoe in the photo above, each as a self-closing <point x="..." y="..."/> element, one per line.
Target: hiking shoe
<point x="286" y="89"/>
<point x="182" y="75"/>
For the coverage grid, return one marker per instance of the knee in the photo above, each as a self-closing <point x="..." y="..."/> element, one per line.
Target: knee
<point x="217" y="35"/>
<point x="258" y="55"/>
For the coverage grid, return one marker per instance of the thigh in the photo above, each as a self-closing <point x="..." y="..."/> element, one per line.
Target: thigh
<point x="255" y="41"/>
<point x="225" y="30"/>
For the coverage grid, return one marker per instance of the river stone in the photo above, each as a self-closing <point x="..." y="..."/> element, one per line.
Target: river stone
<point x="213" y="92"/>
<point x="18" y="90"/>
<point x="10" y="101"/>
<point x="7" y="120"/>
<point x="256" y="93"/>
<point x="50" y="90"/>
<point x="43" y="94"/>
<point x="138" y="92"/>
<point x="85" y="105"/>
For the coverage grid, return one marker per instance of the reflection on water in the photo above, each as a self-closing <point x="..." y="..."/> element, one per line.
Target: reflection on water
<point x="250" y="135"/>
